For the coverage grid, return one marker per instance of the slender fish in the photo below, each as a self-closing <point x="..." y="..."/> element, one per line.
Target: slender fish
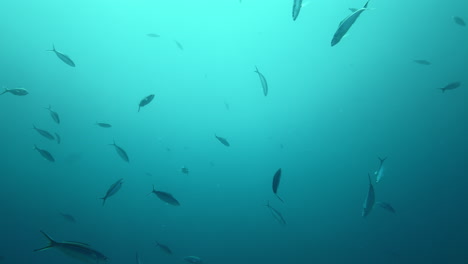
<point x="223" y="141"/>
<point x="370" y="199"/>
<point x="113" y="189"/>
<point x="179" y="45"/>
<point x="122" y="153"/>
<point x="296" y="8"/>
<point x="380" y="172"/>
<point x="153" y="35"/>
<point x="45" y="154"/>
<point x="104" y="125"/>
<point x="165" y="197"/>
<point x="44" y="133"/>
<point x="263" y="81"/>
<point x="53" y="114"/>
<point x="276" y="182"/>
<point x="63" y="57"/>
<point x="276" y="214"/>
<point x="346" y="24"/>
<point x="68" y="217"/>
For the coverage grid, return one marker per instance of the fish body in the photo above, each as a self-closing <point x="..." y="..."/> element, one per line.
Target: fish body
<point x="179" y="45"/>
<point x="45" y="154"/>
<point x="276" y="214"/>
<point x="145" y="101"/>
<point x="263" y="81"/>
<point x="346" y="24"/>
<point x="296" y="8"/>
<point x="166" y="197"/>
<point x="63" y="57"/>
<point x="459" y="21"/>
<point x="44" y="133"/>
<point x="122" y="153"/>
<point x="451" y="86"/>
<point x="164" y="248"/>
<point x="104" y="125"/>
<point x="388" y="207"/>
<point x="53" y="114"/>
<point x="276" y="182"/>
<point x="223" y="141"/>
<point x="16" y="91"/>
<point x="68" y="217"/>
<point x="79" y="251"/>
<point x="184" y="170"/>
<point x="193" y="260"/>
<point x="153" y="35"/>
<point x="380" y="172"/>
<point x="422" y="62"/>
<point x="113" y="189"/>
<point x="59" y="139"/>
<point x="370" y="200"/>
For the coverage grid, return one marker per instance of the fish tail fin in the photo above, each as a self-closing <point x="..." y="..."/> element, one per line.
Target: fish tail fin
<point x="382" y="159"/>
<point x="279" y="198"/>
<point x="52" y="243"/>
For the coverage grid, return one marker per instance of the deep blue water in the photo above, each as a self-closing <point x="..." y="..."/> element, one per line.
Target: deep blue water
<point x="329" y="113"/>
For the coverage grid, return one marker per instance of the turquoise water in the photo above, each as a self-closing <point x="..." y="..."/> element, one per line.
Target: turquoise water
<point x="329" y="113"/>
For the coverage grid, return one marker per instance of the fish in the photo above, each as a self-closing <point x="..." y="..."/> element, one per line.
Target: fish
<point x="380" y="172"/>
<point x="44" y="133"/>
<point x="113" y="189"/>
<point x="386" y="206"/>
<point x="79" y="251"/>
<point x="370" y="199"/>
<point x="145" y="101"/>
<point x="45" y="154"/>
<point x="59" y="139"/>
<point x="223" y="141"/>
<point x="193" y="259"/>
<point x="122" y="153"/>
<point x="69" y="218"/>
<point x="153" y="35"/>
<point x="184" y="170"/>
<point x="53" y="114"/>
<point x="276" y="214"/>
<point x="346" y="24"/>
<point x="165" y="197"/>
<point x="422" y="62"/>
<point x="164" y="248"/>
<point x="459" y="21"/>
<point x="276" y="182"/>
<point x="226" y="105"/>
<point x="16" y="91"/>
<point x="179" y="45"/>
<point x="63" y="57"/>
<point x="104" y="125"/>
<point x="296" y="9"/>
<point x="450" y="86"/>
<point x="263" y="81"/>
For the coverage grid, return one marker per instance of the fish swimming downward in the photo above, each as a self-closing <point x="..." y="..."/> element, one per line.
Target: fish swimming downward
<point x="276" y="182"/>
<point x="380" y="172"/>
<point x="263" y="81"/>
<point x="346" y="24"/>
<point x="370" y="199"/>
<point x="113" y="189"/>
<point x="122" y="153"/>
<point x="63" y="57"/>
<point x="79" y="251"/>
<point x="165" y="197"/>
<point x="16" y="91"/>
<point x="45" y="154"/>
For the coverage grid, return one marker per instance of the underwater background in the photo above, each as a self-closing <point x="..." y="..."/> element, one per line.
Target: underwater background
<point x="329" y="114"/>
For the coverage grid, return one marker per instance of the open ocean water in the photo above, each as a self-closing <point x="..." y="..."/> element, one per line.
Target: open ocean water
<point x="214" y="136"/>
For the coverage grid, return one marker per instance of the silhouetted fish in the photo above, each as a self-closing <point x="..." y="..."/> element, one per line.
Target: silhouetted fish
<point x="184" y="170"/>
<point x="122" y="153"/>
<point x="223" y="141"/>
<point x="193" y="260"/>
<point x="104" y="125"/>
<point x="153" y="35"/>
<point x="16" y="91"/>
<point x="44" y="133"/>
<point x="459" y="21"/>
<point x="346" y="24"/>
<point x="113" y="189"/>
<point x="263" y="81"/>
<point x="166" y="197"/>
<point x="164" y="248"/>
<point x="276" y="182"/>
<point x="276" y="214"/>
<point x="179" y="45"/>
<point x="63" y="57"/>
<point x="53" y="114"/>
<point x="145" y="101"/>
<point x="451" y="86"/>
<point x="45" y="154"/>
<point x="296" y="8"/>
<point x="370" y="199"/>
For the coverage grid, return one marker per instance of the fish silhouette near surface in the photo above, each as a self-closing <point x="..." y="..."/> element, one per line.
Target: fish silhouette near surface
<point x="15" y="91"/>
<point x="79" y="251"/>
<point x="113" y="189"/>
<point x="103" y="125"/>
<point x="193" y="260"/>
<point x="422" y="62"/>
<point x="67" y="217"/>
<point x="58" y="138"/>
<point x="459" y="21"/>
<point x="63" y="57"/>
<point x="346" y="24"/>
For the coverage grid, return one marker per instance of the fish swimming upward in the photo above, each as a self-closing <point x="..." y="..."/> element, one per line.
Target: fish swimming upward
<point x="346" y="24"/>
<point x="370" y="199"/>
<point x="63" y="57"/>
<point x="113" y="189"/>
<point x="79" y="251"/>
<point x="276" y="182"/>
<point x="44" y="133"/>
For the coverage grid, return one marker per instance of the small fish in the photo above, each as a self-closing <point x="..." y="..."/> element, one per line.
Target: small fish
<point x="68" y="217"/>
<point x="459" y="21"/>
<point x="63" y="57"/>
<point x="450" y="86"/>
<point x="386" y="206"/>
<point x="184" y="170"/>
<point x="165" y="197"/>
<point x="145" y="101"/>
<point x="44" y="133"/>
<point x="16" y="91"/>
<point x="346" y="24"/>
<point x="76" y="250"/>
<point x="223" y="141"/>
<point x="422" y="62"/>
<point x="296" y="8"/>
<point x="104" y="125"/>
<point x="45" y="154"/>
<point x="122" y="153"/>
<point x="276" y="214"/>
<point x="370" y="200"/>
<point x="263" y="81"/>
<point x="153" y="35"/>
<point x="59" y="139"/>
<point x="148" y="174"/>
<point x="164" y="248"/>
<point x="179" y="45"/>
<point x="113" y="189"/>
<point x="193" y="260"/>
<point x="276" y="182"/>
<point x="380" y="172"/>
<point x="53" y="114"/>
